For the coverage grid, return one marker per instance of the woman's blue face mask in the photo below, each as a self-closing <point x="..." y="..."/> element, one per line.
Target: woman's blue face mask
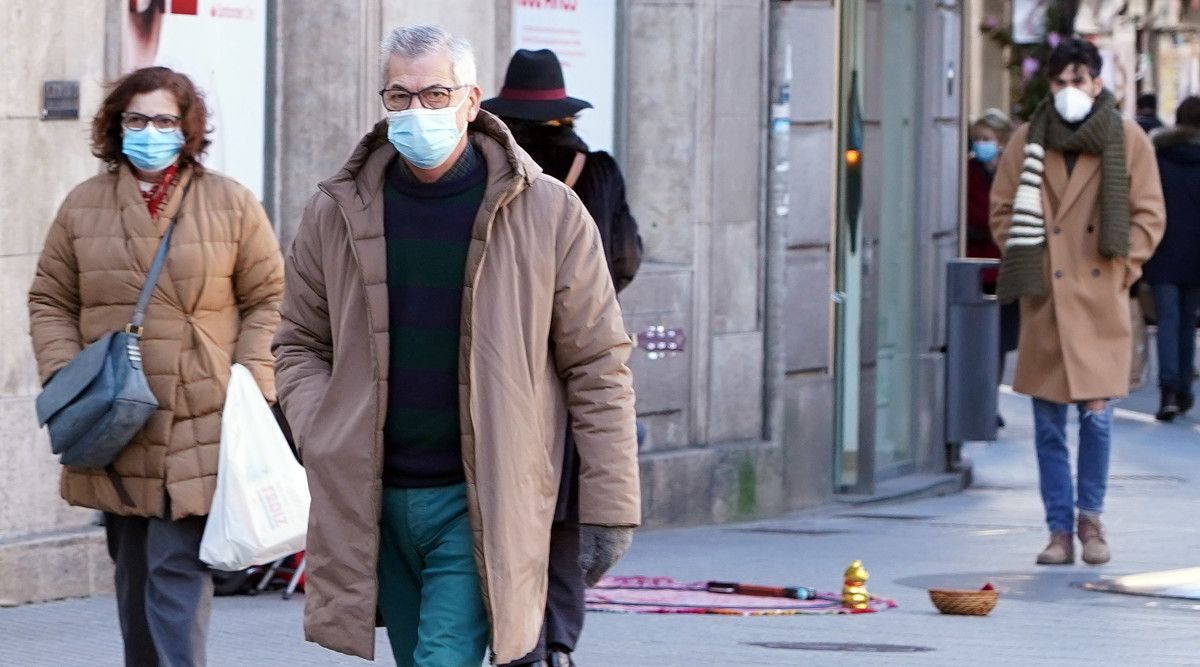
<point x="150" y="149"/>
<point x="985" y="151"/>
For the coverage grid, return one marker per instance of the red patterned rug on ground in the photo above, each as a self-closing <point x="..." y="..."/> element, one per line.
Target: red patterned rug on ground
<point x="663" y="595"/>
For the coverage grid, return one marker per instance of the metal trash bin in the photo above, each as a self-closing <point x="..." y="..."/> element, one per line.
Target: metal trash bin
<point x="972" y="356"/>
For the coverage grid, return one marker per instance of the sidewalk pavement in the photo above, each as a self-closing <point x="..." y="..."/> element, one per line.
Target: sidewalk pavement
<point x="990" y="532"/>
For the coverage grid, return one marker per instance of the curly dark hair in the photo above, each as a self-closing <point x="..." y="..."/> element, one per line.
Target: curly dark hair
<point x="1074" y="51"/>
<point x="106" y="126"/>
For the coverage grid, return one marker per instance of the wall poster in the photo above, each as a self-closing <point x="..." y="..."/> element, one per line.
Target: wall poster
<point x="583" y="34"/>
<point x="221" y="46"/>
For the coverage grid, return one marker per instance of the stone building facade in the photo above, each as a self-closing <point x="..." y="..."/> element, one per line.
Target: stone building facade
<point x="747" y="422"/>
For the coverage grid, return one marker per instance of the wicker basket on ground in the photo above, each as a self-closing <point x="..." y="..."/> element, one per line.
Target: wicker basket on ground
<point x="964" y="602"/>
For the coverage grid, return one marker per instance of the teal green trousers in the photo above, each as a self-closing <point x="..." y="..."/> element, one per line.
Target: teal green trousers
<point x="428" y="584"/>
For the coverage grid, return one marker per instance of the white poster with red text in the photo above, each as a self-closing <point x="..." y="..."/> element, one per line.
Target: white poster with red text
<point x="221" y="45"/>
<point x="583" y="34"/>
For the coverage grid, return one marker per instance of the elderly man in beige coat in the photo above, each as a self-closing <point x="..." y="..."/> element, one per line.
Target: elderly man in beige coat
<point x="447" y="305"/>
<point x="1077" y="209"/>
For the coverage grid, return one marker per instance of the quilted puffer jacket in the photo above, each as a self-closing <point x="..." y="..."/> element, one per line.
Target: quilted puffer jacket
<point x="215" y="303"/>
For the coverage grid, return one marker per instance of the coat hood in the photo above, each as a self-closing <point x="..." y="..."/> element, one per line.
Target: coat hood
<point x="1178" y="144"/>
<point x="361" y="178"/>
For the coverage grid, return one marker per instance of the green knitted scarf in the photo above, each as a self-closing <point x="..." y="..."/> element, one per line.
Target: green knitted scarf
<point x="1103" y="134"/>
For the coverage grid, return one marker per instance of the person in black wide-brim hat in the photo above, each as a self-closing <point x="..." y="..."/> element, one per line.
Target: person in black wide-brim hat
<point x="534" y="89"/>
<point x="535" y="106"/>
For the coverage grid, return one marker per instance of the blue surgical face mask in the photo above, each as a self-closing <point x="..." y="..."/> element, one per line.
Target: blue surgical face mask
<point x="151" y="150"/>
<point x="985" y="151"/>
<point x="425" y="137"/>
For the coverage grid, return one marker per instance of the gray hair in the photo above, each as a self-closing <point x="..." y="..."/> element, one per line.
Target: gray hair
<point x="421" y="40"/>
<point x="998" y="122"/>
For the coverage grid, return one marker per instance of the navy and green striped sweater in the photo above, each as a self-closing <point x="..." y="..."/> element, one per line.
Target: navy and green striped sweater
<point x="427" y="227"/>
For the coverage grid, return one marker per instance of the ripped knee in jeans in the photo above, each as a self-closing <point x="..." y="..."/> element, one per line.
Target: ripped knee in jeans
<point x="1092" y="414"/>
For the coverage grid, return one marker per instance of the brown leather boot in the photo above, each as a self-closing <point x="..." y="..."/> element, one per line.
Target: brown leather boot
<point x="1060" y="551"/>
<point x="1091" y="536"/>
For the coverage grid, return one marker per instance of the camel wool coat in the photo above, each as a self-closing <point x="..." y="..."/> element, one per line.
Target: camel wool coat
<point x="542" y="335"/>
<point x="1076" y="342"/>
<point x="215" y="303"/>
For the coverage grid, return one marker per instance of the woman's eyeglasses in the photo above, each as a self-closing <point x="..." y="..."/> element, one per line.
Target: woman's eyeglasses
<point x="138" y="122"/>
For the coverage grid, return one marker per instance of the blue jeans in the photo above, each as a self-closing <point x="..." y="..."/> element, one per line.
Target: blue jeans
<point x="1177" y="308"/>
<point x="1054" y="462"/>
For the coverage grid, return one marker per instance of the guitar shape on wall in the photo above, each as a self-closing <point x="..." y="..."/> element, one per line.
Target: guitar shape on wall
<point x="659" y="342"/>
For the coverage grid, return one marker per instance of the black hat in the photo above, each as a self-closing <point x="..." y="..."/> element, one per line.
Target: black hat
<point x="534" y="89"/>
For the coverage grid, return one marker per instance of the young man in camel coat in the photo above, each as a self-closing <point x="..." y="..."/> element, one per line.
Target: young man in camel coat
<point x="1077" y="208"/>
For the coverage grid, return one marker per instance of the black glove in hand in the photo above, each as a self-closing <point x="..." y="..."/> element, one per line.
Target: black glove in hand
<point x="600" y="547"/>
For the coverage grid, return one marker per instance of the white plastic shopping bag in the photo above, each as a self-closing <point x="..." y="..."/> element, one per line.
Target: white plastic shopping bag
<point x="260" y="508"/>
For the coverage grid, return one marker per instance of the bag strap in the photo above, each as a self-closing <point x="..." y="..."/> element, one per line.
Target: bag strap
<point x="118" y="485"/>
<point x="134" y="328"/>
<point x="576" y="170"/>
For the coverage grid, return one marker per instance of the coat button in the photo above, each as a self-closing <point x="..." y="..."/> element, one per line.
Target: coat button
<point x="1095" y="273"/>
<point x="190" y="320"/>
<point x="1091" y="228"/>
<point x="1057" y="230"/>
<point x="1058" y="274"/>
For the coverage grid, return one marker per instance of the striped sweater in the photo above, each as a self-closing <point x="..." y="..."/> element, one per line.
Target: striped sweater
<point x="427" y="227"/>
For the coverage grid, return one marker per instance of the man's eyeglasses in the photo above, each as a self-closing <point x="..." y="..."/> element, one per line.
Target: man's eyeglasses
<point x="138" y="122"/>
<point x="433" y="97"/>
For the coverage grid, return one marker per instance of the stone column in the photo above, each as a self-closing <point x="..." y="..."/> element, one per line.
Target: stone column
<point x="809" y="259"/>
<point x="47" y="549"/>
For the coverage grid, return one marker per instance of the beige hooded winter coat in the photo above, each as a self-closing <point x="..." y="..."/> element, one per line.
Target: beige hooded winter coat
<point x="542" y="335"/>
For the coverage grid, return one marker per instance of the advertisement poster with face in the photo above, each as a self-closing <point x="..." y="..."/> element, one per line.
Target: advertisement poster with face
<point x="583" y="34"/>
<point x="221" y="46"/>
<point x="1029" y="21"/>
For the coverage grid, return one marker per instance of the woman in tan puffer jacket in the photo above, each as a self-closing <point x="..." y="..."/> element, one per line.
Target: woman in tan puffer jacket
<point x="215" y="304"/>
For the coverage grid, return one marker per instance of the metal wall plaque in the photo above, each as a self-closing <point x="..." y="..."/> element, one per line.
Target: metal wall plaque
<point x="60" y="100"/>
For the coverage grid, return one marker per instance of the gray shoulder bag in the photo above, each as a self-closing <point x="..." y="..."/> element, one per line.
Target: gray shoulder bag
<point x="98" y="402"/>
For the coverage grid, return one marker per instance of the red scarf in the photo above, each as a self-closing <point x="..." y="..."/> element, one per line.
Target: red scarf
<point x="157" y="195"/>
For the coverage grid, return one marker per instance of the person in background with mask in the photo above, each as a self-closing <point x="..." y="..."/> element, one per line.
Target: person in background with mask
<point x="1077" y="209"/>
<point x="216" y="303"/>
<point x="989" y="135"/>
<point x="534" y="105"/>
<point x="447" y="306"/>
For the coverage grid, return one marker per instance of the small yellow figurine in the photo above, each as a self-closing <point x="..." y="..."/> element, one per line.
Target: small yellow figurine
<point x="854" y="592"/>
